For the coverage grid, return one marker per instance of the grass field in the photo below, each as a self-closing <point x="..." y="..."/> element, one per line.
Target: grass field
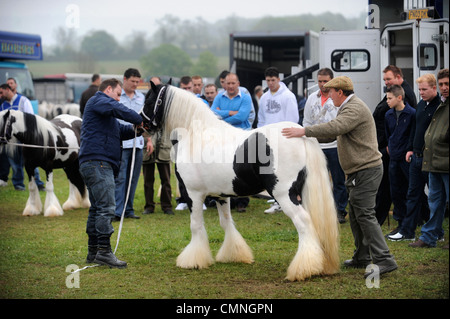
<point x="35" y="252"/>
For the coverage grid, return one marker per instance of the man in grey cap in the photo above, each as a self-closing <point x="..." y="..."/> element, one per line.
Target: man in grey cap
<point x="360" y="159"/>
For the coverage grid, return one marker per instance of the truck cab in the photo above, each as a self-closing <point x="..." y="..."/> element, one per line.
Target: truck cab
<point x="14" y="47"/>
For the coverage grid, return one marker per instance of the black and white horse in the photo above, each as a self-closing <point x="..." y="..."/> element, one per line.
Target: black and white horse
<point x="215" y="159"/>
<point x="49" y="145"/>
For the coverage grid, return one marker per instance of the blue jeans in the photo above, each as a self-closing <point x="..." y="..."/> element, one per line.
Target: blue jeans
<point x="437" y="198"/>
<point x="99" y="179"/>
<point x="16" y="163"/>
<point x="416" y="200"/>
<point x="124" y="177"/>
<point x="399" y="180"/>
<point x="338" y="178"/>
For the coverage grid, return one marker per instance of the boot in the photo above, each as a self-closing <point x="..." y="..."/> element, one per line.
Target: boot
<point x="92" y="251"/>
<point x="106" y="257"/>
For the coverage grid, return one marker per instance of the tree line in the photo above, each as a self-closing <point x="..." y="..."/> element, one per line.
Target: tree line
<point x="176" y="43"/>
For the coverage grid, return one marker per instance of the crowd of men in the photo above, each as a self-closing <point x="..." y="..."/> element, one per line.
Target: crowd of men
<point x="375" y="160"/>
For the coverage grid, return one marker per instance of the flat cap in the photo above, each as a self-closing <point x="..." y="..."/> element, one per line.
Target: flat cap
<point x="343" y="83"/>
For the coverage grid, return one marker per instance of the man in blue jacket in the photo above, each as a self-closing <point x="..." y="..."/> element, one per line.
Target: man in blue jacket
<point x="399" y="121"/>
<point x="99" y="157"/>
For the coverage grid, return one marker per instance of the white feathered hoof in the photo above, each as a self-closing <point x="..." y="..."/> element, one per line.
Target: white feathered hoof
<point x="195" y="256"/>
<point x="70" y="205"/>
<point x="234" y="249"/>
<point x="30" y="210"/>
<point x="308" y="262"/>
<point x="52" y="208"/>
<point x="53" y="211"/>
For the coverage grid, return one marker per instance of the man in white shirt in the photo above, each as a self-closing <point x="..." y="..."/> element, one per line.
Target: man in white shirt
<point x="133" y="99"/>
<point x="319" y="108"/>
<point x="278" y="104"/>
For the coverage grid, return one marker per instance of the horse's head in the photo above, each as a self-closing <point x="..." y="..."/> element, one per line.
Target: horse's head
<point x="6" y="126"/>
<point x="153" y="111"/>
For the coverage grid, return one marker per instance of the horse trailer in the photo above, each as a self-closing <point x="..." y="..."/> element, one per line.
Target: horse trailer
<point x="418" y="44"/>
<point x="251" y="53"/>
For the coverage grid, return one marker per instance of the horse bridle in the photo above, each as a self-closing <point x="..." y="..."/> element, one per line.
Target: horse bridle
<point x="159" y="101"/>
<point x="5" y="135"/>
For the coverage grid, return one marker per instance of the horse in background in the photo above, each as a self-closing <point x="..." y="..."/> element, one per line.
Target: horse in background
<point x="50" y="110"/>
<point x="49" y="145"/>
<point x="215" y="159"/>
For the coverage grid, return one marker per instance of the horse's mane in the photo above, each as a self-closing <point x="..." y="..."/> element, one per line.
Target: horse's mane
<point x="32" y="126"/>
<point x="183" y="109"/>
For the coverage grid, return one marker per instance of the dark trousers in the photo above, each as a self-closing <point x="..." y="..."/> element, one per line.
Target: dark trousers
<point x="369" y="240"/>
<point x="417" y="210"/>
<point x="184" y="196"/>
<point x="338" y="178"/>
<point x="148" y="170"/>
<point x="399" y="179"/>
<point x="383" y="198"/>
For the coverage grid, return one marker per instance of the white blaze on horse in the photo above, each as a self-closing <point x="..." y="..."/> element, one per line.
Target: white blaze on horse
<point x="49" y="145"/>
<point x="215" y="159"/>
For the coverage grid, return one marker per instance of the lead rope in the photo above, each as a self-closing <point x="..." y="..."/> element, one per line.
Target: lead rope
<point x="128" y="189"/>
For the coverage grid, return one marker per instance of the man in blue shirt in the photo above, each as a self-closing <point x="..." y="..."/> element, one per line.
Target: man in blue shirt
<point x="132" y="99"/>
<point x="233" y="106"/>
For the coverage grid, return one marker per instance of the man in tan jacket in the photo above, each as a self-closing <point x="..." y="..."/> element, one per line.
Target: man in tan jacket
<point x="360" y="159"/>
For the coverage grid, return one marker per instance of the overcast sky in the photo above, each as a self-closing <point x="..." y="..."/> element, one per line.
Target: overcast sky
<point x="121" y="17"/>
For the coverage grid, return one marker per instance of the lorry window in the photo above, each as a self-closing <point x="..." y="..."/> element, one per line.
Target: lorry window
<point x="350" y="60"/>
<point x="23" y="79"/>
<point x="427" y="56"/>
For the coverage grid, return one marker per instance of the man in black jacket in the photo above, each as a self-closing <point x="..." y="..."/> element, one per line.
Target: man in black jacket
<point x="392" y="75"/>
<point x="90" y="92"/>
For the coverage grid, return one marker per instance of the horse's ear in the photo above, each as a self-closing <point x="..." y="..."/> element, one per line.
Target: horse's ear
<point x="153" y="86"/>
<point x="170" y="81"/>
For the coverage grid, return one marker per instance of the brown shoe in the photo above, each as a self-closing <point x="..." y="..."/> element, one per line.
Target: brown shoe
<point x="419" y="244"/>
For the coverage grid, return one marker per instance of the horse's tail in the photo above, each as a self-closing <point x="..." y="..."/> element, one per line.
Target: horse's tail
<point x="317" y="199"/>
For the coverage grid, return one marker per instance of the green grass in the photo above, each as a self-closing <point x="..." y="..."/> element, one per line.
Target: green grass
<point x="35" y="252"/>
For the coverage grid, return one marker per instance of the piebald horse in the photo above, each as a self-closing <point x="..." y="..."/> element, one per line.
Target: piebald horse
<point x="49" y="145"/>
<point x="215" y="159"/>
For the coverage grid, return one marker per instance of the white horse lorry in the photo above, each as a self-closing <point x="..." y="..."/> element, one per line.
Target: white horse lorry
<point x="413" y="35"/>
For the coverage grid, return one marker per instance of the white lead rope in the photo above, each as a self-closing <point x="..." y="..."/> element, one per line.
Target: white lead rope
<point x="128" y="190"/>
<point x="42" y="146"/>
